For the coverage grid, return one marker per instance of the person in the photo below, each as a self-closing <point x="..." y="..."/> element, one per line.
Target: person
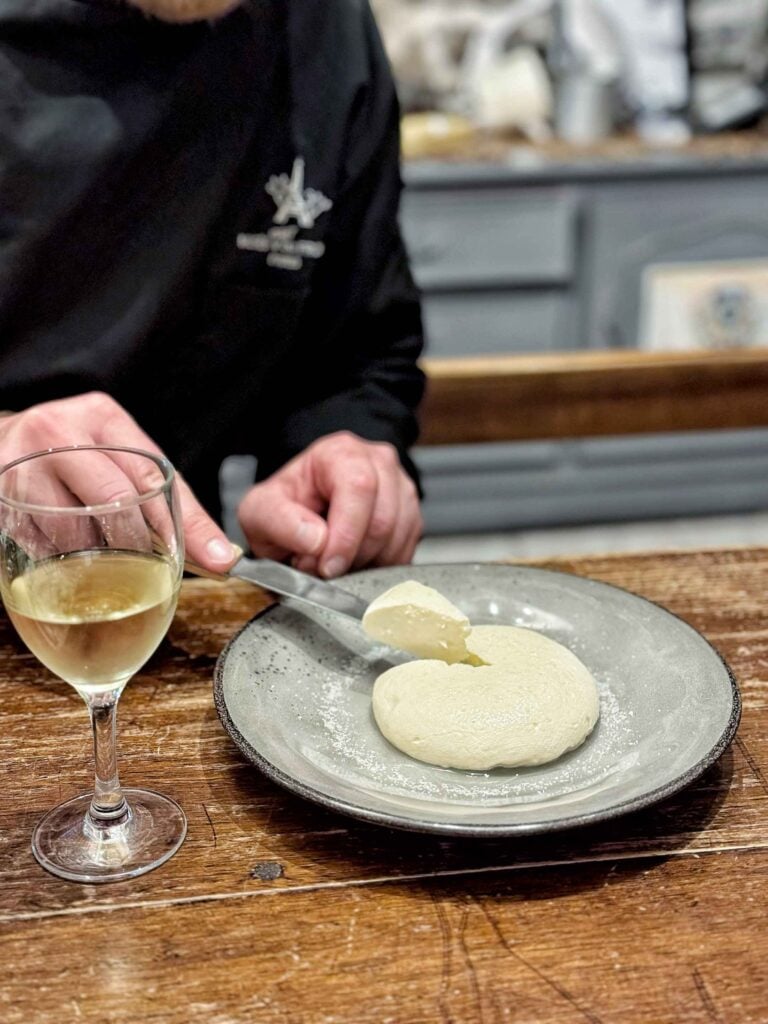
<point x="200" y="254"/>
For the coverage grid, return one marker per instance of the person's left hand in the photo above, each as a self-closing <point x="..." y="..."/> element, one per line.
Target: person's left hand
<point x="342" y="504"/>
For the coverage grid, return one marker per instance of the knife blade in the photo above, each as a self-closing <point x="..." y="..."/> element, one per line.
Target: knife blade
<point x="288" y="582"/>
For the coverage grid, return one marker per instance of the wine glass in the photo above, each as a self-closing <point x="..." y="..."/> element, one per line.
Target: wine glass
<point x="91" y="560"/>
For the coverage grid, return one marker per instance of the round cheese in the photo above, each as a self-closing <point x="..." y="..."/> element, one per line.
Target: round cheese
<point x="528" y="702"/>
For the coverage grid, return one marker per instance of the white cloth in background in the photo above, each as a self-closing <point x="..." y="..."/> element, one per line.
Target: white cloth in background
<point x="653" y="43"/>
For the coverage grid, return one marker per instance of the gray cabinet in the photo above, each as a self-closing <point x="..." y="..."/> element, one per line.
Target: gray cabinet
<point x="553" y="258"/>
<point x="498" y="237"/>
<point x="465" y="322"/>
<point x="632" y="225"/>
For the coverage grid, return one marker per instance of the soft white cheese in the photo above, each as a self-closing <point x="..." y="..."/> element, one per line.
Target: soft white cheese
<point x="530" y="702"/>
<point x="418" y="619"/>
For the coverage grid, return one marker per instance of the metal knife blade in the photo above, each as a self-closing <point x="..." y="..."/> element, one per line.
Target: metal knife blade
<point x="282" y="579"/>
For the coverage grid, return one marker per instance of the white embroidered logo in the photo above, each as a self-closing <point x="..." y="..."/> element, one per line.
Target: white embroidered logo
<point x="294" y="202"/>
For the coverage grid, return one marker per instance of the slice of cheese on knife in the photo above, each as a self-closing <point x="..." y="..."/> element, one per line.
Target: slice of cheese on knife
<point x="417" y="619"/>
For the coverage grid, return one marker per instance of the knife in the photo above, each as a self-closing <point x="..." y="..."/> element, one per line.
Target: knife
<point x="288" y="582"/>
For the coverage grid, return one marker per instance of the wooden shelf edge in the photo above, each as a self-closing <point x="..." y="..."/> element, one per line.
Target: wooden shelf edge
<point x="592" y="393"/>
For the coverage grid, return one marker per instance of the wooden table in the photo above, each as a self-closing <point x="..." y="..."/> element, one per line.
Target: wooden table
<point x="275" y="910"/>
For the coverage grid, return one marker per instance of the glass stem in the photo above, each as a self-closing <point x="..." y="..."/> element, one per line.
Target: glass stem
<point x="108" y="805"/>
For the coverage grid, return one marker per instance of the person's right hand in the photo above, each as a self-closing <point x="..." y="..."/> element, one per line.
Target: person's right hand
<point x="96" y="418"/>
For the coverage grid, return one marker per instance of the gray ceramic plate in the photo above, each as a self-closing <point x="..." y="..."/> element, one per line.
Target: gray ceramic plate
<point x="293" y="689"/>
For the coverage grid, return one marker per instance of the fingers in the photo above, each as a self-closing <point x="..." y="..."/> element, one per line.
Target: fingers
<point x="394" y="527"/>
<point x="205" y="543"/>
<point x="306" y="563"/>
<point x="371" y="508"/>
<point x="343" y="503"/>
<point x="40" y="427"/>
<point x="401" y="543"/>
<point x="96" y="419"/>
<point x="95" y="479"/>
<point x="279" y="522"/>
<point x="353" y="488"/>
<point x="70" y="480"/>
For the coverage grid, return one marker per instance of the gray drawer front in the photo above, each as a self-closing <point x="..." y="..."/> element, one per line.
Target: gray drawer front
<point x="632" y="226"/>
<point x="462" y="324"/>
<point x="511" y="486"/>
<point x="494" y="237"/>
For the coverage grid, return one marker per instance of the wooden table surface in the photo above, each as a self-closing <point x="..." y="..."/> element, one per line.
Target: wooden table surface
<point x="276" y="910"/>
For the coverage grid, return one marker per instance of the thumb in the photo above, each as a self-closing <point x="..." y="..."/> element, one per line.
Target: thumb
<point x="276" y="525"/>
<point x="204" y="541"/>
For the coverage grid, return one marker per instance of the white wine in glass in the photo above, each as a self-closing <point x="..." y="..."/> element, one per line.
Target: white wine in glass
<point x="91" y="586"/>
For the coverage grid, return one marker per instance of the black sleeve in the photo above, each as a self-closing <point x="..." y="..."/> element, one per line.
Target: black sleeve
<point x="354" y="366"/>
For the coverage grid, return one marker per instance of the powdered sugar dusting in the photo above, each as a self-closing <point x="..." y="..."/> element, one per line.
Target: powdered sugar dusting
<point x="358" y="753"/>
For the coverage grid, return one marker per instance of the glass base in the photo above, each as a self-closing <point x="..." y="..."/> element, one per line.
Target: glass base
<point x="69" y="843"/>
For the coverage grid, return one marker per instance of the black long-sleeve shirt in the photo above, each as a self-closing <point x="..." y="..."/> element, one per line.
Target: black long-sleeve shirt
<point x="201" y="220"/>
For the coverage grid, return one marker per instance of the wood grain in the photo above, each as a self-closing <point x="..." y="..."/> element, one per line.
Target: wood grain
<point x="581" y="394"/>
<point x="629" y="943"/>
<point x="277" y="910"/>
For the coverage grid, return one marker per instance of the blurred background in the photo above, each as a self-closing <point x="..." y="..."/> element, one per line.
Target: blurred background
<point x="587" y="175"/>
<point x="574" y="70"/>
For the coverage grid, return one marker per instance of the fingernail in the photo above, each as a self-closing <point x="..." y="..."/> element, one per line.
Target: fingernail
<point x="309" y="537"/>
<point x="335" y="566"/>
<point x="220" y="550"/>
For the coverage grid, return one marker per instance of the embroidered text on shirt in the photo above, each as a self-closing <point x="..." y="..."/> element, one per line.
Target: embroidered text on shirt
<point x="293" y="202"/>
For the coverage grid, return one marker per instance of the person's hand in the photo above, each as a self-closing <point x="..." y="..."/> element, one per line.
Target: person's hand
<point x="95" y="418"/>
<point x="343" y="503"/>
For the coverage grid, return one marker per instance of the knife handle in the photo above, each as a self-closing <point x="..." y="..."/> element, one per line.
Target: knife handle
<point x="197" y="570"/>
<point x="210" y="574"/>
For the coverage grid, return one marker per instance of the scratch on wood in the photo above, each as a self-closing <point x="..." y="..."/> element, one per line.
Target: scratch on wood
<point x="213" y="827"/>
<point x="554" y="985"/>
<point x="351" y="930"/>
<point x="754" y="766"/>
<point x="366" y="883"/>
<point x="494" y="924"/>
<point x="446" y="958"/>
<point x="473" y="979"/>
<point x="706" y="998"/>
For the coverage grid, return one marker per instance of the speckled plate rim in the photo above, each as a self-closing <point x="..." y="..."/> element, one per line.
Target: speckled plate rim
<point x="484" y="830"/>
